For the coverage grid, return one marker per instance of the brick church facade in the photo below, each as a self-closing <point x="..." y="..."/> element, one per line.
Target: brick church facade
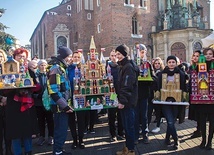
<point x="151" y="22"/>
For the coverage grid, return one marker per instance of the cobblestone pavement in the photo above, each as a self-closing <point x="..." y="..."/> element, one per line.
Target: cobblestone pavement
<point x="99" y="143"/>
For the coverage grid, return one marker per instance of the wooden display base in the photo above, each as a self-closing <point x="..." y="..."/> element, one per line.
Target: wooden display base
<point x="5" y="88"/>
<point x="96" y="107"/>
<point x="170" y="103"/>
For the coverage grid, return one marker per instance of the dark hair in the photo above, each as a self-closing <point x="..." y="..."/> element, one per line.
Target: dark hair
<point x="207" y="49"/>
<point x="197" y="51"/>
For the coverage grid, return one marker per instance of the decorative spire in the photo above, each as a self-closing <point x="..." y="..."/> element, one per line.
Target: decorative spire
<point x="92" y="44"/>
<point x="184" y="3"/>
<point x="169" y="5"/>
<point x="102" y="59"/>
<point x="194" y="5"/>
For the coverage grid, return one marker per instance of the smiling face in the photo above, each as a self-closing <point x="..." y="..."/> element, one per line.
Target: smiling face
<point x="76" y="58"/>
<point x="195" y="57"/>
<point x="20" y="56"/>
<point x="209" y="55"/>
<point x="157" y="64"/>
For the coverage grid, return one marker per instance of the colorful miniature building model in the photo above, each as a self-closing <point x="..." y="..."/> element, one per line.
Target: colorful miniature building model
<point x="202" y="83"/>
<point x="92" y="87"/>
<point x="171" y="89"/>
<point x="14" y="75"/>
<point x="144" y="66"/>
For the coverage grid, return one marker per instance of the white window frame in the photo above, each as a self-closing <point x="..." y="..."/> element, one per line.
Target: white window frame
<point x="144" y="4"/>
<point x="99" y="28"/>
<point x="98" y="3"/>
<point x="89" y="16"/>
<point x="128" y="3"/>
<point x="68" y="7"/>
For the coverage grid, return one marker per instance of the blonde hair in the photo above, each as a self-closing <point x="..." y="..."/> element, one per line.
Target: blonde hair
<point x="3" y="54"/>
<point x="161" y="62"/>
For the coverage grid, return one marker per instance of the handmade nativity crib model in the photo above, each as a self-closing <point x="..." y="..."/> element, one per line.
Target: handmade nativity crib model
<point x="93" y="88"/>
<point x="202" y="83"/>
<point x="170" y="90"/>
<point x="144" y="66"/>
<point x="14" y="75"/>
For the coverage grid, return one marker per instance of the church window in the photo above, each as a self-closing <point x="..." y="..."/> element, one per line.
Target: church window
<point x="134" y="25"/>
<point x="143" y="3"/>
<point x="61" y="41"/>
<point x="69" y="7"/>
<point x="98" y="28"/>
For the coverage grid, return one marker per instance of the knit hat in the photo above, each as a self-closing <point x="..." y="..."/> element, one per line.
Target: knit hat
<point x="171" y="57"/>
<point x="42" y="61"/>
<point x="63" y="52"/>
<point x="142" y="47"/>
<point x="123" y="49"/>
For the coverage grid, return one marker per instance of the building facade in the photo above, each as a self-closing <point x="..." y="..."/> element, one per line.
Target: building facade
<point x="113" y="22"/>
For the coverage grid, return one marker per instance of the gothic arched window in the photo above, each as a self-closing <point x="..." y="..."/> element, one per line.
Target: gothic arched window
<point x="61" y="41"/>
<point x="134" y="25"/>
<point x="197" y="46"/>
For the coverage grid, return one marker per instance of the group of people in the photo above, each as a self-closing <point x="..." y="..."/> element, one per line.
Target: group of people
<point x="23" y="115"/>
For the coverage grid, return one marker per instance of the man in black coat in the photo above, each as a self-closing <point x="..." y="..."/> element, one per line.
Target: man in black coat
<point x="127" y="96"/>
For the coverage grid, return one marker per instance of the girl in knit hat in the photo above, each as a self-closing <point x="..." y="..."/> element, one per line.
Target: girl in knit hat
<point x="43" y="115"/>
<point x="171" y="111"/>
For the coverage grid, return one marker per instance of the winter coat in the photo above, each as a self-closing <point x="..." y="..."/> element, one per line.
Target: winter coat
<point x="59" y="86"/>
<point x="127" y="83"/>
<point x="19" y="124"/>
<point x="183" y="87"/>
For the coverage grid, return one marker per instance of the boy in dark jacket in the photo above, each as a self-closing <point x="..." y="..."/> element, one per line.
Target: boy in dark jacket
<point x="141" y="109"/>
<point x="127" y="97"/>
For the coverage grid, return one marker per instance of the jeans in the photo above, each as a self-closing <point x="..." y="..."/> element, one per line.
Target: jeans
<point x="17" y="145"/>
<point x="170" y="112"/>
<point x="141" y="117"/>
<point x="128" y="120"/>
<point x="60" y="131"/>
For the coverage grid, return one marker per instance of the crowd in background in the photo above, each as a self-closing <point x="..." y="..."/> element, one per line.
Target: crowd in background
<point x="24" y="111"/>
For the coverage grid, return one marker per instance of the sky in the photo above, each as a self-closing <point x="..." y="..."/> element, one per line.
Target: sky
<point x="22" y="16"/>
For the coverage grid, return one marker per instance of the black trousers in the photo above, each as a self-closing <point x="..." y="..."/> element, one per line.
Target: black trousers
<point x="80" y="115"/>
<point x="113" y="114"/>
<point x="44" y="117"/>
<point x="203" y="119"/>
<point x="3" y="131"/>
<point x="90" y="119"/>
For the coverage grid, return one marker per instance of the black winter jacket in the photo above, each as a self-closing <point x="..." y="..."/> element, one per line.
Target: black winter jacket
<point x="127" y="83"/>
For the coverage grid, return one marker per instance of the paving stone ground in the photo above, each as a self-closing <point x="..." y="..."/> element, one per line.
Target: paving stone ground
<point x="99" y="143"/>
